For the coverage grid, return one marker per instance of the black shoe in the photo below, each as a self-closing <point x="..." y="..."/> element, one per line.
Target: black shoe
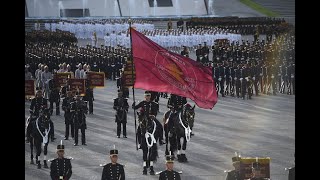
<point x="191" y="134"/>
<point x="66" y="138"/>
<point x="124" y="136"/>
<point x="45" y="164"/>
<point x="144" y="172"/>
<point x="151" y="172"/>
<point x="118" y="136"/>
<point x="39" y="165"/>
<point x="84" y="144"/>
<point x="31" y="162"/>
<point x="75" y="144"/>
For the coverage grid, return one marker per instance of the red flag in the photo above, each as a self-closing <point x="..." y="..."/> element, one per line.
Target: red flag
<point x="158" y="69"/>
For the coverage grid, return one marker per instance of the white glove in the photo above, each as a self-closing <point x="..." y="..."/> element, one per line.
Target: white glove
<point x="292" y="76"/>
<point x="272" y="76"/>
<point x="247" y="78"/>
<point x="254" y="78"/>
<point x="235" y="78"/>
<point x="241" y="79"/>
<point x="219" y="79"/>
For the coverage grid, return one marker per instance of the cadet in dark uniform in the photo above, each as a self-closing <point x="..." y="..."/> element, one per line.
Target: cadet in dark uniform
<point x="121" y="105"/>
<point x="79" y="108"/>
<point x="185" y="52"/>
<point x="113" y="170"/>
<point x="199" y="53"/>
<point x="60" y="167"/>
<point x="149" y="109"/>
<point x="37" y="104"/>
<point x="66" y="105"/>
<point x="89" y="97"/>
<point x="169" y="173"/>
<point x="175" y="104"/>
<point x="234" y="174"/>
<point x="54" y="97"/>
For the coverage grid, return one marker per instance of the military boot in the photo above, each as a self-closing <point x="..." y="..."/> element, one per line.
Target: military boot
<point x="144" y="172"/>
<point x="45" y="164"/>
<point x="31" y="162"/>
<point x="39" y="165"/>
<point x="151" y="171"/>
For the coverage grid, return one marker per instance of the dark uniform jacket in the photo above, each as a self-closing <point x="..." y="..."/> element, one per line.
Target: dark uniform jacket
<point x="78" y="109"/>
<point x="147" y="108"/>
<point x="60" y="168"/>
<point x="176" y="102"/>
<point x="113" y="172"/>
<point x="120" y="103"/>
<point x="37" y="104"/>
<point x="66" y="105"/>
<point x="169" y="175"/>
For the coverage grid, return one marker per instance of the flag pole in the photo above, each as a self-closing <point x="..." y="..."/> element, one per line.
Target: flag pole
<point x="132" y="80"/>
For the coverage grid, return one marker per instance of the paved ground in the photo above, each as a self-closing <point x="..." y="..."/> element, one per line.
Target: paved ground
<point x="263" y="126"/>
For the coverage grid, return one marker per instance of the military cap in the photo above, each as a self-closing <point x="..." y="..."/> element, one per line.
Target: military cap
<point x="113" y="152"/>
<point x="169" y="158"/>
<point x="60" y="147"/>
<point x="147" y="93"/>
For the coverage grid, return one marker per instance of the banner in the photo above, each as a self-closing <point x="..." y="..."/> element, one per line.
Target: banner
<point x="78" y="85"/>
<point x="29" y="88"/>
<point x="246" y="167"/>
<point x="96" y="79"/>
<point x="160" y="70"/>
<point x="61" y="78"/>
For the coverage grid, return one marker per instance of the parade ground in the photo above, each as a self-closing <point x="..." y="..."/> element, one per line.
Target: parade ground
<point x="261" y="127"/>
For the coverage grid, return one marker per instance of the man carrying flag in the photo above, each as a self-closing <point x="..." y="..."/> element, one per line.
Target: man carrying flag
<point x="158" y="69"/>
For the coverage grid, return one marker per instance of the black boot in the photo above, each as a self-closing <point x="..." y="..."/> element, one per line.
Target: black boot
<point x="144" y="170"/>
<point x="179" y="158"/>
<point x="184" y="158"/>
<point x="45" y="164"/>
<point x="39" y="165"/>
<point x="151" y="171"/>
<point x="32" y="162"/>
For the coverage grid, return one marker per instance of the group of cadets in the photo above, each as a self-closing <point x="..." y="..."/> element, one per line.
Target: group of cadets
<point x="105" y="59"/>
<point x="259" y="66"/>
<point x="243" y="26"/>
<point x="238" y="70"/>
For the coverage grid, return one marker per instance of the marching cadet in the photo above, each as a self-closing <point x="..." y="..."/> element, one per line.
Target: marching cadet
<point x="121" y="105"/>
<point x="227" y="77"/>
<point x="66" y="105"/>
<point x="54" y="97"/>
<point x="205" y="53"/>
<point x="169" y="173"/>
<point x="79" y="108"/>
<point x="150" y="110"/>
<point x="220" y="74"/>
<point x="185" y="52"/>
<point x="234" y="174"/>
<point x="199" y="53"/>
<point x="89" y="96"/>
<point x="60" y="167"/>
<point x="113" y="170"/>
